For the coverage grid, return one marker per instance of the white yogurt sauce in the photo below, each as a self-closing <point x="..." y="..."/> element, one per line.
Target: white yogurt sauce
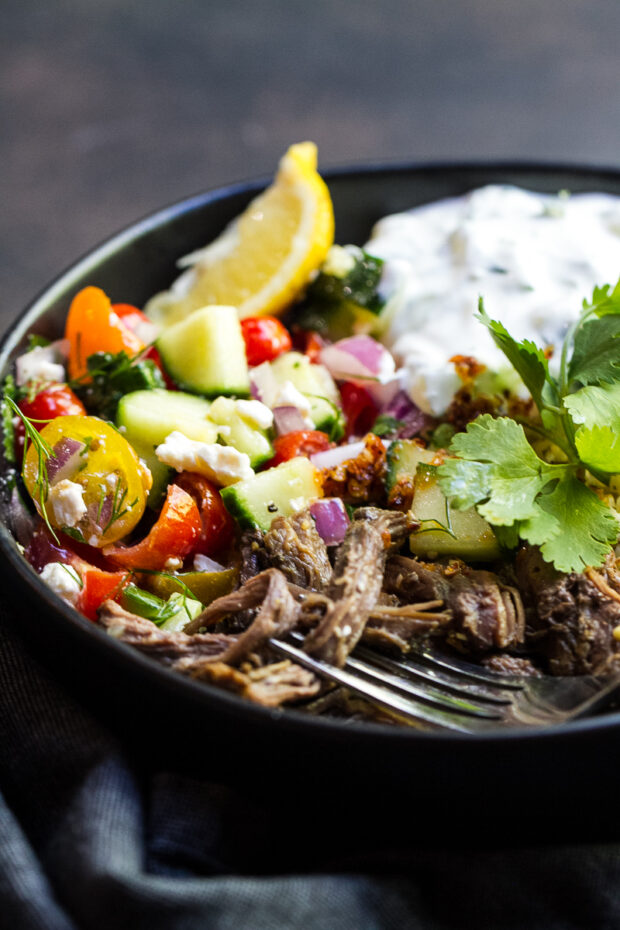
<point x="532" y="257"/>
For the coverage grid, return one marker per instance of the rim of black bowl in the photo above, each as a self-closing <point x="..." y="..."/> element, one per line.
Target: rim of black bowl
<point x="199" y="693"/>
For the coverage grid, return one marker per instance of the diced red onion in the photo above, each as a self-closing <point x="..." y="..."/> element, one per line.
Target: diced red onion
<point x="402" y="408"/>
<point x="288" y="420"/>
<point x="331" y="520"/>
<point x="64" y="461"/>
<point x="99" y="518"/>
<point x="202" y="563"/>
<point x="382" y="392"/>
<point x="21" y="520"/>
<point x="357" y="355"/>
<point x="332" y="457"/>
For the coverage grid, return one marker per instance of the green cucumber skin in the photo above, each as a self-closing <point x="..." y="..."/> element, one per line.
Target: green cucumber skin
<point x="239" y="498"/>
<point x="403" y="458"/>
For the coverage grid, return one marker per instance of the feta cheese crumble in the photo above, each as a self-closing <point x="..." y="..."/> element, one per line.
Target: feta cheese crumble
<point x="39" y="365"/>
<point x="221" y="464"/>
<point x="63" y="580"/>
<point x="66" y="500"/>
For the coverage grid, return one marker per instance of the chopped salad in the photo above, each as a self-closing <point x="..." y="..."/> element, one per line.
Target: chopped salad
<point x="199" y="483"/>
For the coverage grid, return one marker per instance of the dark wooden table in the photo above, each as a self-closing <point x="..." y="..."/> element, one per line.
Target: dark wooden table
<point x="110" y="109"/>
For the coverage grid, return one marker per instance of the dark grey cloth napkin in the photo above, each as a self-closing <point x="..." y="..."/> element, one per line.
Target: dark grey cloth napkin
<point x="95" y="837"/>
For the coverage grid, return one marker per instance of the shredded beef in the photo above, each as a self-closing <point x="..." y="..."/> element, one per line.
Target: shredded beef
<point x="485" y="612"/>
<point x="393" y="525"/>
<point x="352" y="592"/>
<point x="293" y="545"/>
<point x="570" y="619"/>
<point x="269" y="685"/>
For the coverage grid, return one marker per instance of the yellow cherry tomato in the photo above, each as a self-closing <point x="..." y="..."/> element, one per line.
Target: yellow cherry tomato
<point x="99" y="493"/>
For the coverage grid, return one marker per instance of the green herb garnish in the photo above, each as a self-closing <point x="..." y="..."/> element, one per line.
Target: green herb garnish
<point x="498" y="471"/>
<point x="111" y="376"/>
<point x="44" y="452"/>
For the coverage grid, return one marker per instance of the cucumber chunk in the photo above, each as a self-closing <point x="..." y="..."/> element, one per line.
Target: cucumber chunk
<point x="443" y="531"/>
<point x="150" y="416"/>
<point x="239" y="433"/>
<point x="277" y="492"/>
<point x="205" y="353"/>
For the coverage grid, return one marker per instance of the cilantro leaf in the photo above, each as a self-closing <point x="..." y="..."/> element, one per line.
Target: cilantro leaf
<point x="497" y="470"/>
<point x="599" y="448"/>
<point x="588" y="527"/>
<point x="596" y="351"/>
<point x="603" y="301"/>
<point x="529" y="362"/>
<point x="596" y="405"/>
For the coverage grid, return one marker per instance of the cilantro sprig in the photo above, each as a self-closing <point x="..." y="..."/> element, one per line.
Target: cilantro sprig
<point x="498" y="471"/>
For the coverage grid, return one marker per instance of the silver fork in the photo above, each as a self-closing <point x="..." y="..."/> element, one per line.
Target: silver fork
<point x="430" y="688"/>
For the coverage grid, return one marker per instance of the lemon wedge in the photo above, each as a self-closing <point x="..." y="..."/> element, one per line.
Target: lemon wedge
<point x="266" y="256"/>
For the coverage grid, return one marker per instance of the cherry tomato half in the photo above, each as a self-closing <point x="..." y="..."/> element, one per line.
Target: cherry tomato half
<point x="112" y="479"/>
<point x="218" y="527"/>
<point x="93" y="326"/>
<point x="359" y="408"/>
<point x="174" y="535"/>
<point x="98" y="586"/>
<point x="300" y="442"/>
<point x="265" y="338"/>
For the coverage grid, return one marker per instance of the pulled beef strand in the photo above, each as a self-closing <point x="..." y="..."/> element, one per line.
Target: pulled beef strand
<point x="269" y="685"/>
<point x="352" y="592"/>
<point x="485" y="612"/>
<point x="393" y="525"/>
<point x="293" y="545"/>
<point x="570" y="618"/>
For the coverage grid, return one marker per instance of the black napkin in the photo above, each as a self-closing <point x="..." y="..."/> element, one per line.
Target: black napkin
<point x="96" y="836"/>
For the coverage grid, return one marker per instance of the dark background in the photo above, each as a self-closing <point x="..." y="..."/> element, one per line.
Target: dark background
<point x="112" y="108"/>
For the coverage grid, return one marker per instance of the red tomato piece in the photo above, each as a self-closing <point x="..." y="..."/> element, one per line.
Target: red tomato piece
<point x="55" y="400"/>
<point x="218" y="527"/>
<point x="98" y="586"/>
<point x="300" y="442"/>
<point x="174" y="535"/>
<point x="265" y="338"/>
<point x="314" y="344"/>
<point x="359" y="408"/>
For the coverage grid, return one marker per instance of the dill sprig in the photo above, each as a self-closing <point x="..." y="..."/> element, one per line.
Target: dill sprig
<point x="118" y="510"/>
<point x="44" y="452"/>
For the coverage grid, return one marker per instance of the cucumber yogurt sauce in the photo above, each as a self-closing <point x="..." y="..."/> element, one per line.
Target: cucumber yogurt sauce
<point x="532" y="257"/>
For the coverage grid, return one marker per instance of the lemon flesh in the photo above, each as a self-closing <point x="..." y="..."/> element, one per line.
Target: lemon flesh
<point x="264" y="259"/>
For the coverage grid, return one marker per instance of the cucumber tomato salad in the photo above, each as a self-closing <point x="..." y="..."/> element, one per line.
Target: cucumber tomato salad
<point x="170" y="466"/>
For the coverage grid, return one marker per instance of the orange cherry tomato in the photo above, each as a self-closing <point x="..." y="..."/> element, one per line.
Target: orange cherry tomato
<point x="299" y="442"/>
<point x="174" y="535"/>
<point x="265" y="338"/>
<point x="93" y="326"/>
<point x="218" y="527"/>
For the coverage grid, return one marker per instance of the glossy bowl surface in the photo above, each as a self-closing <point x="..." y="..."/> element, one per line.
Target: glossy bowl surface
<point x="202" y="729"/>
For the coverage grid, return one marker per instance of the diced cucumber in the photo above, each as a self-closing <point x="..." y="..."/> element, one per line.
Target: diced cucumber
<point x="460" y="534"/>
<point x="239" y="433"/>
<point x="205" y="352"/>
<point x="150" y="416"/>
<point x="277" y="492"/>
<point x="316" y="383"/>
<point x="443" y="531"/>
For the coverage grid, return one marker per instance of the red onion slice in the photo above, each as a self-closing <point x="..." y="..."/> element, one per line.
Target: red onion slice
<point x="331" y="520"/>
<point x="288" y="420"/>
<point x="65" y="460"/>
<point x="202" y="563"/>
<point x="360" y="356"/>
<point x="332" y="457"/>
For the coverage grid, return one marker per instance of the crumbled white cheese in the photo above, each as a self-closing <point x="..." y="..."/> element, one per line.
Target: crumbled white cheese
<point x="63" y="579"/>
<point x="255" y="412"/>
<point x="173" y="564"/>
<point x="39" y="365"/>
<point x="221" y="464"/>
<point x="66" y="500"/>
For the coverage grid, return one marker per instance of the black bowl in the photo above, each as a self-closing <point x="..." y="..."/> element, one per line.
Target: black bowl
<point x="459" y="779"/>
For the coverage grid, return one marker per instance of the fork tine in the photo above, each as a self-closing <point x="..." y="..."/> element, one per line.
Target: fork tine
<point x="466" y="669"/>
<point x="418" y="670"/>
<point x="433" y="709"/>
